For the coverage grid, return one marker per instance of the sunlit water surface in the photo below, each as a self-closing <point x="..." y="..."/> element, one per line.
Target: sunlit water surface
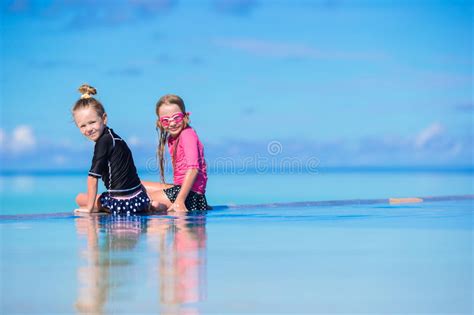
<point x="377" y="259"/>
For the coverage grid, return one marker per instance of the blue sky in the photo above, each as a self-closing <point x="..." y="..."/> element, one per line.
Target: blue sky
<point x="349" y="82"/>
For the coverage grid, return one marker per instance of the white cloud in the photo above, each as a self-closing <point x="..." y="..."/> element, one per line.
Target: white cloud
<point x="282" y="49"/>
<point x="269" y="48"/>
<point x="134" y="141"/>
<point x="22" y="139"/>
<point x="428" y="134"/>
<point x="60" y="159"/>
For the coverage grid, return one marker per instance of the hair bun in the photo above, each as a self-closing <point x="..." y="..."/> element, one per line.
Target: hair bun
<point x="86" y="90"/>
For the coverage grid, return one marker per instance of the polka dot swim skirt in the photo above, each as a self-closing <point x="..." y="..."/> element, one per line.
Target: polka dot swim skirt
<point x="135" y="204"/>
<point x="193" y="202"/>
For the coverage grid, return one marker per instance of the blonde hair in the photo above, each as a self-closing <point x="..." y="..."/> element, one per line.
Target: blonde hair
<point x="168" y="99"/>
<point x="87" y="101"/>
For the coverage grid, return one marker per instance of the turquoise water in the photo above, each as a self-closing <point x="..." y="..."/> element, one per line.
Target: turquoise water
<point x="46" y="194"/>
<point x="342" y="259"/>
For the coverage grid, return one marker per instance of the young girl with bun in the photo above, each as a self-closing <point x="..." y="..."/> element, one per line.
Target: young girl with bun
<point x="112" y="162"/>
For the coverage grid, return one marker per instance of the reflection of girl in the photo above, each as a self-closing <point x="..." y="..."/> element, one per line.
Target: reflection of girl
<point x="93" y="277"/>
<point x="122" y="233"/>
<point x="182" y="262"/>
<point x="98" y="276"/>
<point x="187" y="154"/>
<point x="190" y="244"/>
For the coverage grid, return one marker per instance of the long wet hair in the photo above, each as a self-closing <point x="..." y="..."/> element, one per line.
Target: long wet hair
<point x="87" y="101"/>
<point x="168" y="99"/>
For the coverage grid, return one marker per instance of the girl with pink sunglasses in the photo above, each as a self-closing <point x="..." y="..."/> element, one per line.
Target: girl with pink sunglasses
<point x="187" y="157"/>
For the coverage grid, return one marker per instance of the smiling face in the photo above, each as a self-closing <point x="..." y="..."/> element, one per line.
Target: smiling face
<point x="171" y="119"/>
<point x="90" y="123"/>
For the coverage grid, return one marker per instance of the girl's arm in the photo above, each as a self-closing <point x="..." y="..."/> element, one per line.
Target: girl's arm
<point x="188" y="182"/>
<point x="91" y="193"/>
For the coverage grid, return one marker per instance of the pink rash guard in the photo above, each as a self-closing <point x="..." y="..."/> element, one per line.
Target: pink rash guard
<point x="189" y="155"/>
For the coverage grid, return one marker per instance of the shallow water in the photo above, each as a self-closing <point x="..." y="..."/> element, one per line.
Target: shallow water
<point x="374" y="259"/>
<point x="48" y="193"/>
<point x="300" y="258"/>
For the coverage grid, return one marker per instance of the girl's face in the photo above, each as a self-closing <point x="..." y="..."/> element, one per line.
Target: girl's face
<point x="90" y="123"/>
<point x="171" y="119"/>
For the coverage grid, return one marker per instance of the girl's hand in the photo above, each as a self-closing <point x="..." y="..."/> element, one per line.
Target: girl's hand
<point x="178" y="207"/>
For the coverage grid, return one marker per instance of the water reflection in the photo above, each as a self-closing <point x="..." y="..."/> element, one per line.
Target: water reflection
<point x="116" y="264"/>
<point x="182" y="244"/>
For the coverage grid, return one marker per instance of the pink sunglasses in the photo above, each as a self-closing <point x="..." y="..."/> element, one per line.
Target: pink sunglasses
<point x="177" y="118"/>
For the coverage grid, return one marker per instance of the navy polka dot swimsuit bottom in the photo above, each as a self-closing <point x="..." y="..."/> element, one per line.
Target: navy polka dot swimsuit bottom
<point x="193" y="202"/>
<point x="122" y="206"/>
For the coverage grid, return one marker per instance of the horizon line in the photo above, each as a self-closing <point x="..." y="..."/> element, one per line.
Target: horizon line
<point x="284" y="171"/>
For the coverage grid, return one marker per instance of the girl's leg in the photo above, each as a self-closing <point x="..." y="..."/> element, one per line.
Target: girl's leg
<point x="81" y="200"/>
<point x="153" y="186"/>
<point x="159" y="200"/>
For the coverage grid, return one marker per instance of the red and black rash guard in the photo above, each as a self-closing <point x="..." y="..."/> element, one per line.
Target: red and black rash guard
<point x="113" y="162"/>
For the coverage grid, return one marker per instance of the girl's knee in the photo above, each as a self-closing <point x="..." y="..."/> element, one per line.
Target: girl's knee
<point x="80" y="198"/>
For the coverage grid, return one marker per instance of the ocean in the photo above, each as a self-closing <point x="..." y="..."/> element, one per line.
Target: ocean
<point x="264" y="249"/>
